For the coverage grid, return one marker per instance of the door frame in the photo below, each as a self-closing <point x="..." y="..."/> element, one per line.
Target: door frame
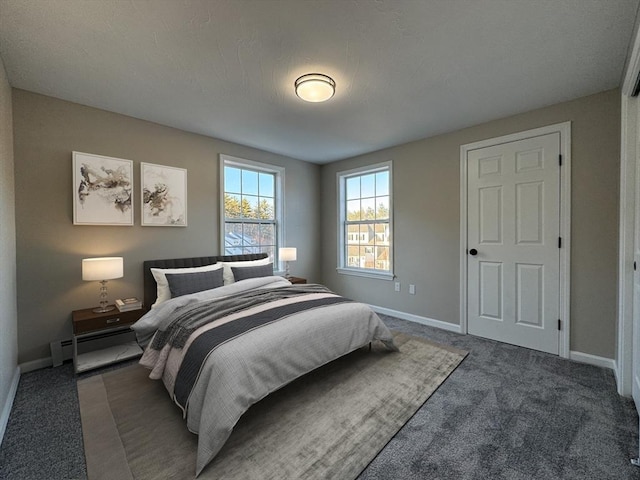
<point x="626" y="246"/>
<point x="628" y="186"/>
<point x="564" y="129"/>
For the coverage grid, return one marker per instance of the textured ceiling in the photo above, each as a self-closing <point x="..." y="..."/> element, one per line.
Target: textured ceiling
<point x="404" y="69"/>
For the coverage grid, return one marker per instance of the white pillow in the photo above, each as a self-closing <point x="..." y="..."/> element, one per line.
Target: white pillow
<point x="228" y="277"/>
<point x="164" y="293"/>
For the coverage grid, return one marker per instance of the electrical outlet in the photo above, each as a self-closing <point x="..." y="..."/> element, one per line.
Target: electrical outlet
<point x="397" y="286"/>
<point x="412" y="289"/>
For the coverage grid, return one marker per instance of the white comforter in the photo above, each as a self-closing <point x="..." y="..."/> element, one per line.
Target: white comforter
<point x="240" y="372"/>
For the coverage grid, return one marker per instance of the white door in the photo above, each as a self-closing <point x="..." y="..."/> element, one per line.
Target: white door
<point x="513" y="261"/>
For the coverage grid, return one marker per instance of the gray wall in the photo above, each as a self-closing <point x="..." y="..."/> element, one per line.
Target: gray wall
<point x="8" y="307"/>
<point x="50" y="248"/>
<point x="426" y="203"/>
<point x="427" y="219"/>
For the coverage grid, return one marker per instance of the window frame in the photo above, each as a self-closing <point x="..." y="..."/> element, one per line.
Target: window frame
<point x="279" y="172"/>
<point x="341" y="178"/>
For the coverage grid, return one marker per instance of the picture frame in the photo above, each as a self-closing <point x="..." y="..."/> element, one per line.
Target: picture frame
<point x="102" y="190"/>
<point x="164" y="195"/>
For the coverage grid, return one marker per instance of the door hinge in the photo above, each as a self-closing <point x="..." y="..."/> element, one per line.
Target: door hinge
<point x="559" y="242"/>
<point x="559" y="324"/>
<point x="560" y="159"/>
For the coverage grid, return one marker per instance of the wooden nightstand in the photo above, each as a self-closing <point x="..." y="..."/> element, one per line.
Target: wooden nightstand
<point x="88" y="325"/>
<point x="297" y="280"/>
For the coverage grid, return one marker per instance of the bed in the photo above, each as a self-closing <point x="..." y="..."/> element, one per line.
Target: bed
<point x="220" y="350"/>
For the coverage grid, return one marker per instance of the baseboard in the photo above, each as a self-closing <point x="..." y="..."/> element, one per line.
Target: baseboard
<point x="615" y="375"/>
<point x="60" y="350"/>
<point x="6" y="410"/>
<point x="593" y="360"/>
<point x="431" y="322"/>
<point x="36" y="364"/>
<point x="576" y="356"/>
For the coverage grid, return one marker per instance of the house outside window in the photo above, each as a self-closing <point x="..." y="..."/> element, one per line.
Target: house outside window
<point x="252" y="208"/>
<point x="365" y="221"/>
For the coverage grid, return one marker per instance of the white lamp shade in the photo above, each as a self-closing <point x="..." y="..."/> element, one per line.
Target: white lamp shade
<point x="104" y="268"/>
<point x="288" y="254"/>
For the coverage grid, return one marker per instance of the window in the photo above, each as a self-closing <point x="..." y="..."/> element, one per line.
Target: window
<point x="365" y="217"/>
<point x="252" y="207"/>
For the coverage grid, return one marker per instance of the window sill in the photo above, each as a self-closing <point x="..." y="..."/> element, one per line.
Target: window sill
<point x="366" y="273"/>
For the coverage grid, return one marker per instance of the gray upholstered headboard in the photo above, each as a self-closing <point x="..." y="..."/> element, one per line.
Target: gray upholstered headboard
<point x="150" y="290"/>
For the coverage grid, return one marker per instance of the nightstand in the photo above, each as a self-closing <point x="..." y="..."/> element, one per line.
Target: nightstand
<point x="297" y="280"/>
<point x="91" y="326"/>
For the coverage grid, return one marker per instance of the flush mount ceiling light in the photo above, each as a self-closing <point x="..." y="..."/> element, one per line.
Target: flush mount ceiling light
<point x="315" y="87"/>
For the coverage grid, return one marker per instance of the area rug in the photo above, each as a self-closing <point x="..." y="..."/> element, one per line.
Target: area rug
<point x="330" y="423"/>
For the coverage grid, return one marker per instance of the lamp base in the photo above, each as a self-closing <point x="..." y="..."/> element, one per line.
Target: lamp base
<point x="287" y="274"/>
<point x="108" y="308"/>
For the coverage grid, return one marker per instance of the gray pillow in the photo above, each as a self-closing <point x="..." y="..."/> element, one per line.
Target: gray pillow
<point x="242" y="273"/>
<point x="186" y="283"/>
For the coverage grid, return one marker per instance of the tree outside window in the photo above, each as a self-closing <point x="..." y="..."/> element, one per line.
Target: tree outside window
<point x="252" y="212"/>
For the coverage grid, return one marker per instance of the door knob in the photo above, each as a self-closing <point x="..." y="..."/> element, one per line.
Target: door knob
<point x="473" y="252"/>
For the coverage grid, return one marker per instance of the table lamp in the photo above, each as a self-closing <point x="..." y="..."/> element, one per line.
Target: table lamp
<point x="288" y="254"/>
<point x="102" y="269"/>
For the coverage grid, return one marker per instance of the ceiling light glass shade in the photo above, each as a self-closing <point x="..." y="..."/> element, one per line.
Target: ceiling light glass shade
<point x="315" y="87"/>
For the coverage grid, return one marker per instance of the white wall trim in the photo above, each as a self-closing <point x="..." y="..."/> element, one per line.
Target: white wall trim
<point x="464" y="216"/>
<point x="8" y="404"/>
<point x="587" y="358"/>
<point x="341" y="178"/>
<point x="280" y="206"/>
<point x="36" y="364"/>
<point x="565" y="222"/>
<point x="633" y="67"/>
<point x="626" y="245"/>
<point x="431" y="322"/>
<point x="593" y="360"/>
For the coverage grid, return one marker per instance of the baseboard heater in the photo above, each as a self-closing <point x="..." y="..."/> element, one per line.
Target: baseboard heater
<point x="62" y="350"/>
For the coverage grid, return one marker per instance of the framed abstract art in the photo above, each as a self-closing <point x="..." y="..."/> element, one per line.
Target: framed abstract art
<point x="102" y="190"/>
<point x="164" y="195"/>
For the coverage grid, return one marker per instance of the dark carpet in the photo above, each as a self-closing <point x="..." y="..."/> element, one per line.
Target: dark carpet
<point x="505" y="413"/>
